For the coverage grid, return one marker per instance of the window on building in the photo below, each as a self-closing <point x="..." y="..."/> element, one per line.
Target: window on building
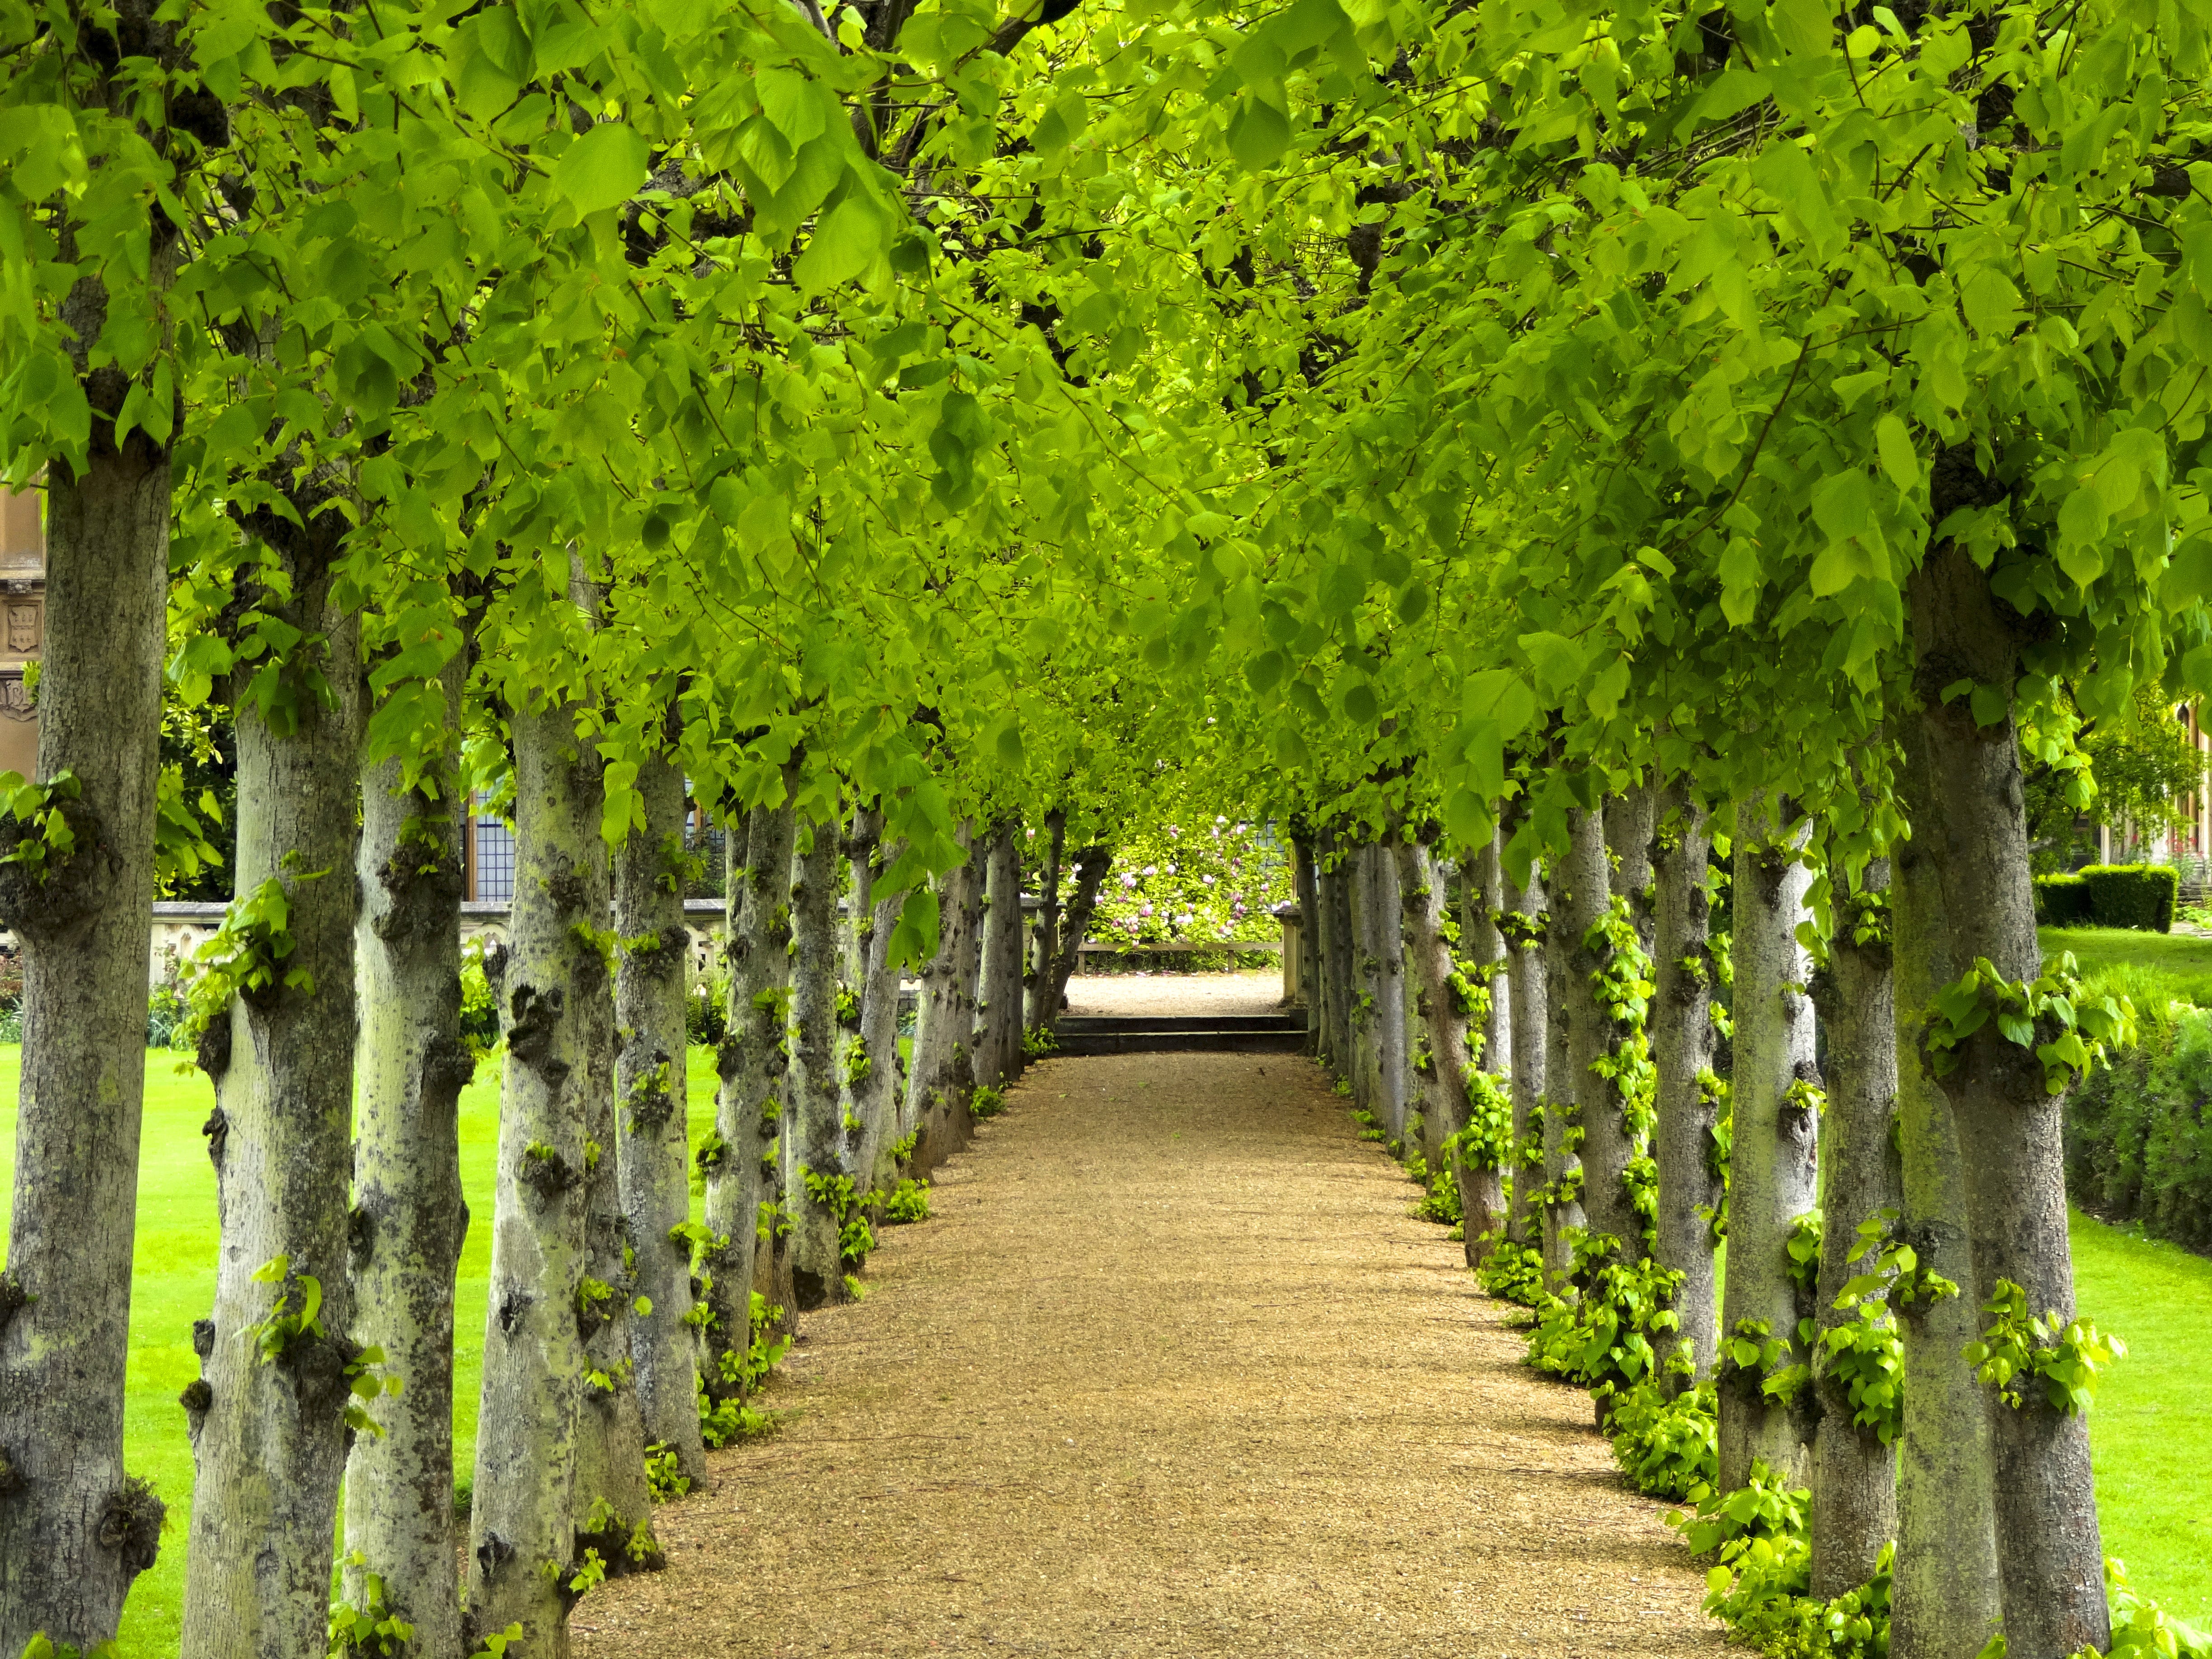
<point x="494" y="861"/>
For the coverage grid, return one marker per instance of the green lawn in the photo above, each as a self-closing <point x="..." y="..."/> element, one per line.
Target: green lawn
<point x="2153" y="1418"/>
<point x="174" y="1285"/>
<point x="2145" y="967"/>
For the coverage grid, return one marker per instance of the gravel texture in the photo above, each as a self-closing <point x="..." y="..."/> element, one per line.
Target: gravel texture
<point x="1256" y="993"/>
<point x="1172" y="1372"/>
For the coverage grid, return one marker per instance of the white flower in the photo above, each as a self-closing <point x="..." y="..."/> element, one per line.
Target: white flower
<point x="1208" y="880"/>
<point x="1154" y="869"/>
<point x="1170" y="870"/>
<point x="1217" y="821"/>
<point x="1128" y="881"/>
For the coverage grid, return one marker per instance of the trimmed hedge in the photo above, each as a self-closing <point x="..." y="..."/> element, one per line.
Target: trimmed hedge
<point x="2062" y="901"/>
<point x="2138" y="896"/>
<point x="2138" y="1146"/>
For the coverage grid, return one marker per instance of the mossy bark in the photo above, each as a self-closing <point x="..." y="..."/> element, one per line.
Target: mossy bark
<point x="871" y="1068"/>
<point x="522" y="1516"/>
<point x="1039" y="1010"/>
<point x="1481" y="1199"/>
<point x="999" y="995"/>
<point x="744" y="1177"/>
<point x="651" y="1139"/>
<point x="2010" y="1125"/>
<point x="76" y="1531"/>
<point x="409" y="1218"/>
<point x="817" y="1129"/>
<point x="269" y="1439"/>
<point x="1326" y="995"/>
<point x="1773" y="1153"/>
<point x="944" y="1056"/>
<point x="1306" y="965"/>
<point x="1943" y="1594"/>
<point x="1853" y="1473"/>
<point x="1526" y="909"/>
<point x="1608" y="1145"/>
<point x="1683" y="1147"/>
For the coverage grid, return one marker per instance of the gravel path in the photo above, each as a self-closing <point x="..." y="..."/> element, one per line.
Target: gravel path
<point x="1172" y="1373"/>
<point x="1256" y="993"/>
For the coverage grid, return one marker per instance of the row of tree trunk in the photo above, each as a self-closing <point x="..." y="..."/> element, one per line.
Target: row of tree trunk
<point x="1991" y="1507"/>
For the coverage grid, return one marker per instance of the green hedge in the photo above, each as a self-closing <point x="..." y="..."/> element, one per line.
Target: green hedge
<point x="2138" y="896"/>
<point x="2137" y="1144"/>
<point x="2062" y="901"/>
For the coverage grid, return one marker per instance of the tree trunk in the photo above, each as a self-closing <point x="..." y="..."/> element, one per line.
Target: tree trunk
<point x="1324" y="995"/>
<point x="871" y="1070"/>
<point x="614" y="1505"/>
<point x="1446" y="1023"/>
<point x="999" y="997"/>
<point x="944" y="1065"/>
<point x="1040" y="1010"/>
<point x="77" y="1529"/>
<point x="1392" y="1061"/>
<point x="817" y="1268"/>
<point x="1943" y="1597"/>
<point x="1773" y="1157"/>
<point x="959" y="1121"/>
<point x="1091" y="866"/>
<point x="522" y="1516"/>
<point x="1682" y="1050"/>
<point x="1482" y="1183"/>
<point x="1854" y="1473"/>
<point x="652" y="1135"/>
<point x="1580" y="906"/>
<point x="1526" y="909"/>
<point x="1632" y="823"/>
<point x="1365" y="1000"/>
<point x="1304" y="972"/>
<point x="744" y="1170"/>
<point x="2049" y="1557"/>
<point x="409" y="1218"/>
<point x="269" y="1439"/>
<point x="1341" y="896"/>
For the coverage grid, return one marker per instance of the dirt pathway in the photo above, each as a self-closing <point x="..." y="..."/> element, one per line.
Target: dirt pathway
<point x="1259" y="992"/>
<point x="1171" y="1373"/>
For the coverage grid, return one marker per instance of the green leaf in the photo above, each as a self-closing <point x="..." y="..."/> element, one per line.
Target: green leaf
<point x="843" y="246"/>
<point x="1258" y="133"/>
<point x="600" y="169"/>
<point x="1899" y="458"/>
<point x="1557" y="659"/>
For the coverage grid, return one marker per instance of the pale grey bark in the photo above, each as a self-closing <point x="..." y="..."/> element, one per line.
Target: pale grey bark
<point x="1690" y="1189"/>
<point x="409" y="1218"/>
<point x="1586" y="889"/>
<point x="1393" y="1062"/>
<point x="777" y="1140"/>
<point x="871" y="1070"/>
<point x="269" y="1439"/>
<point x="817" y="1129"/>
<point x="652" y="1141"/>
<point x="959" y="1123"/>
<point x="999" y="995"/>
<point x="1091" y="866"/>
<point x="522" y="1514"/>
<point x="1773" y="1152"/>
<point x="1943" y="1593"/>
<point x="612" y="1501"/>
<point x="2010" y="1127"/>
<point x="1854" y="1474"/>
<point x="944" y="1064"/>
<point x="744" y="1173"/>
<point x="1040" y="1010"/>
<point x="1632" y="823"/>
<point x="75" y="1529"/>
<point x="1481" y="1199"/>
<point x="1527" y="909"/>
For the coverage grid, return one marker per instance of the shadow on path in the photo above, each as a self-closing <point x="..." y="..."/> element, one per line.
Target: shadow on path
<point x="1172" y="1372"/>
